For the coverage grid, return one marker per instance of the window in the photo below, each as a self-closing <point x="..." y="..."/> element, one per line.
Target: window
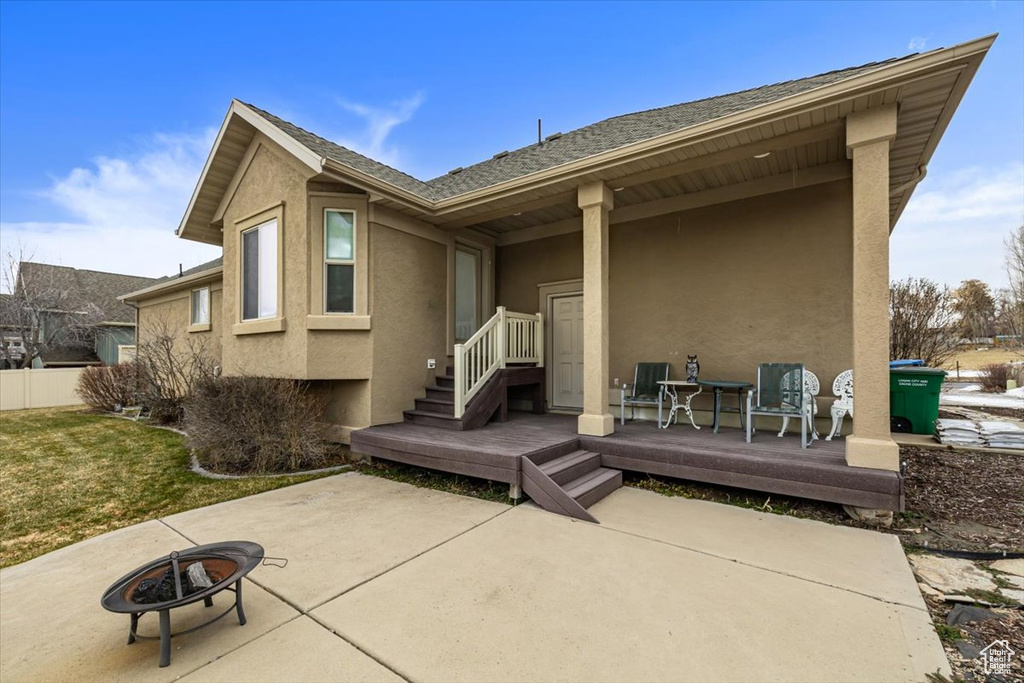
<point x="339" y="261"/>
<point x="259" y="272"/>
<point x="201" y="306"/>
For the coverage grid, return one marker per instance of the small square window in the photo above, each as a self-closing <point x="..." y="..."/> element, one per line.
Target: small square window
<point x="201" y="306"/>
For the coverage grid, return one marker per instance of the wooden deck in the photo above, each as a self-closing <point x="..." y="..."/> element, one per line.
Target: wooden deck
<point x="770" y="463"/>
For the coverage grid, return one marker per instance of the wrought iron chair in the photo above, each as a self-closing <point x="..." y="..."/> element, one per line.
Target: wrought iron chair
<point x="779" y="393"/>
<point x="811" y="388"/>
<point x="842" y="387"/>
<point x="645" y="390"/>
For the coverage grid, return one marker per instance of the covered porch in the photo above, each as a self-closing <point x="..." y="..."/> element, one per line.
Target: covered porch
<point x="769" y="463"/>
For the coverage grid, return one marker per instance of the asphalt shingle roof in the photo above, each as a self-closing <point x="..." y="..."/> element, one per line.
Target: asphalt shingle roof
<point x="89" y="286"/>
<point x="581" y="143"/>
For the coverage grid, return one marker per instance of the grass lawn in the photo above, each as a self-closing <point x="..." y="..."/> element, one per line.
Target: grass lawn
<point x="68" y="475"/>
<point x="973" y="359"/>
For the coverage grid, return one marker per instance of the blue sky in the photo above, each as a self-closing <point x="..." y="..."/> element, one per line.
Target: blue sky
<point x="107" y="111"/>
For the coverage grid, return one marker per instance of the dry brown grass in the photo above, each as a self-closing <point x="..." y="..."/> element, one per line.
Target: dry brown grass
<point x="974" y="359"/>
<point x="69" y="475"/>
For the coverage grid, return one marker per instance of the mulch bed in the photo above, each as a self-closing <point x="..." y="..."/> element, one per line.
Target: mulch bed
<point x="963" y="500"/>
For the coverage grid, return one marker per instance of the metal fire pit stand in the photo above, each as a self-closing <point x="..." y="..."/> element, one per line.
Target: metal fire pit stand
<point x="245" y="555"/>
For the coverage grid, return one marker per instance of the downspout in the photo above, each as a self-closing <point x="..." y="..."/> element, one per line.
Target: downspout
<point x="922" y="171"/>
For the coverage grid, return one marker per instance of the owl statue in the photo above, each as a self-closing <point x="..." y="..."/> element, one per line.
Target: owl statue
<point x="692" y="368"/>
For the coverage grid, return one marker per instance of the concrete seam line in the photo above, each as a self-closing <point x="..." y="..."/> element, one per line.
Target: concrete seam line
<point x="406" y="561"/>
<point x="766" y="569"/>
<point x="369" y="654"/>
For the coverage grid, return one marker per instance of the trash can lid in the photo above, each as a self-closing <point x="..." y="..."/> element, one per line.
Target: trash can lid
<point x="918" y="371"/>
<point x="905" y="363"/>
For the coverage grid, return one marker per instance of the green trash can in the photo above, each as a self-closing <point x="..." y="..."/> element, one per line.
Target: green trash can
<point x="914" y="399"/>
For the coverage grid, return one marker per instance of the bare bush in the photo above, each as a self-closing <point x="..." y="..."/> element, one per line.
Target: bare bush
<point x="109" y="387"/>
<point x="994" y="376"/>
<point x="921" y="322"/>
<point x="256" y="425"/>
<point x="171" y="368"/>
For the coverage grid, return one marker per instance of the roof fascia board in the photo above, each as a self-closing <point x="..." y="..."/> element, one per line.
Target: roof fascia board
<point x="314" y="161"/>
<point x="376" y="186"/>
<point x="879" y="79"/>
<point x="194" y="278"/>
<point x="206" y="169"/>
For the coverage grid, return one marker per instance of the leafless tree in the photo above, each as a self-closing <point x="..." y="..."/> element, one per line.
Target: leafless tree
<point x="170" y="367"/>
<point x="41" y="313"/>
<point x="1012" y="312"/>
<point x="921" y="321"/>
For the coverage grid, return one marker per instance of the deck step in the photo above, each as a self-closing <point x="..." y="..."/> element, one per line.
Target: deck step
<point x="436" y="405"/>
<point x="447" y="393"/>
<point x="566" y="468"/>
<point x="428" y="419"/>
<point x="593" y="486"/>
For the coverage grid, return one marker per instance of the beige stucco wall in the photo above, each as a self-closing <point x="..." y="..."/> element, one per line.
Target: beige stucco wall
<point x="171" y="311"/>
<point x="271" y="178"/>
<point x="759" y="280"/>
<point x="409" y="296"/>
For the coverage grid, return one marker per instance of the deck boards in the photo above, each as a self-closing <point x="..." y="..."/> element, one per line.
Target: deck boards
<point x="770" y="463"/>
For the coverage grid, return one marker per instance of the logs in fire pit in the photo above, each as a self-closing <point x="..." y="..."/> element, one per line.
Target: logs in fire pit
<point x="180" y="579"/>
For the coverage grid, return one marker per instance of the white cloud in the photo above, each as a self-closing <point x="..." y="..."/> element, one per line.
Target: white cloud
<point x="917" y="43"/>
<point x="954" y="226"/>
<point x="123" y="212"/>
<point x="380" y="121"/>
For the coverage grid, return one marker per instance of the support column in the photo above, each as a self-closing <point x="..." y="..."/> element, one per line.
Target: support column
<point x="868" y="137"/>
<point x="596" y="200"/>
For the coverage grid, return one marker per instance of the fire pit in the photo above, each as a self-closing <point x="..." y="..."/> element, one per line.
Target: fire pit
<point x="164" y="584"/>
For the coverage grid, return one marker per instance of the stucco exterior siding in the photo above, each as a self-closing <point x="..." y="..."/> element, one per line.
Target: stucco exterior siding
<point x="271" y="180"/>
<point x="171" y="311"/>
<point x="409" y="295"/>
<point x="752" y="281"/>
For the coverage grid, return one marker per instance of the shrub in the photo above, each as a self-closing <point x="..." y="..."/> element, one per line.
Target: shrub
<point x="109" y="387"/>
<point x="170" y="370"/>
<point x="255" y="425"/>
<point x="994" y="376"/>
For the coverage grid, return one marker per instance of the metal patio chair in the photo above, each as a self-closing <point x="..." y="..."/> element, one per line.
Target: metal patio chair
<point x="811" y="388"/>
<point x="779" y="393"/>
<point x="645" y="390"/>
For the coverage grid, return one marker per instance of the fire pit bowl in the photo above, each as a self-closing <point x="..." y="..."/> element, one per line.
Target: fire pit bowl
<point x="224" y="563"/>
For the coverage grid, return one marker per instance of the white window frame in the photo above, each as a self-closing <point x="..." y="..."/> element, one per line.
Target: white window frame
<point x="192" y="309"/>
<point x="261" y="263"/>
<point x="341" y="262"/>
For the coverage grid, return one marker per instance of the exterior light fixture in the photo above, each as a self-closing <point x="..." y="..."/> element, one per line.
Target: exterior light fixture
<point x="618" y="189"/>
<point x="520" y="213"/>
<point x="762" y="156"/>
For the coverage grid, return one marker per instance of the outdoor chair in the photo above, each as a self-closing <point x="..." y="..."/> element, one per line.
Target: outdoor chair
<point x="843" y="389"/>
<point x="811" y="390"/>
<point x="645" y="390"/>
<point x="779" y="393"/>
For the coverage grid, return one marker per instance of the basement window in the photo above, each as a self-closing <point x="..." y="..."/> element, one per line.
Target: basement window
<point x="339" y="261"/>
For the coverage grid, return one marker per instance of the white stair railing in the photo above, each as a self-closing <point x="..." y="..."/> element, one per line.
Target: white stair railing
<point x="506" y="338"/>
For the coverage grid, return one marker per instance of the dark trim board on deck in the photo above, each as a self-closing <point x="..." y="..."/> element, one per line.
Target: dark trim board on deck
<point x="770" y="464"/>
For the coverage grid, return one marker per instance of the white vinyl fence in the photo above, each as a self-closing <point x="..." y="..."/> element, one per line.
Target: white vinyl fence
<point x="41" y="388"/>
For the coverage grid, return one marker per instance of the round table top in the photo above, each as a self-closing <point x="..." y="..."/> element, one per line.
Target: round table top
<point x="723" y="383"/>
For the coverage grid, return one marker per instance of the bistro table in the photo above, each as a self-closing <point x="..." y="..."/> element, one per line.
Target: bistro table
<point x="672" y="387"/>
<point x="719" y="386"/>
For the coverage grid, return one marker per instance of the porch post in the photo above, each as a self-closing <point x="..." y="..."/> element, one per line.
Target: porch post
<point x="596" y="200"/>
<point x="868" y="137"/>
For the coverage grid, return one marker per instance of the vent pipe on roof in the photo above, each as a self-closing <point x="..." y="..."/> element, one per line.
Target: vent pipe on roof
<point x="539" y="138"/>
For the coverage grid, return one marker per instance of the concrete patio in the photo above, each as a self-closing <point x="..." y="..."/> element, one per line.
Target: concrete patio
<point x="386" y="581"/>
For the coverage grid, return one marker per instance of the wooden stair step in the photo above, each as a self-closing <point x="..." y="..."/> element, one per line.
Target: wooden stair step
<point x="446" y="381"/>
<point x="593" y="486"/>
<point x="436" y="405"/>
<point x="428" y="419"/>
<point x="447" y="393"/>
<point x="572" y="466"/>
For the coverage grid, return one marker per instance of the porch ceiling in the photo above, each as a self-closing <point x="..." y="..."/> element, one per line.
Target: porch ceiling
<point x="804" y="148"/>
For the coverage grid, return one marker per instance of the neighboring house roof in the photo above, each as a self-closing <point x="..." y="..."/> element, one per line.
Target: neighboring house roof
<point x="93" y="287"/>
<point x="596" y="138"/>
<point x="172" y="281"/>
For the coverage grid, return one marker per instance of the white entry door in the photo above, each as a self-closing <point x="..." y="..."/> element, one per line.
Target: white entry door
<point x="567" y="352"/>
